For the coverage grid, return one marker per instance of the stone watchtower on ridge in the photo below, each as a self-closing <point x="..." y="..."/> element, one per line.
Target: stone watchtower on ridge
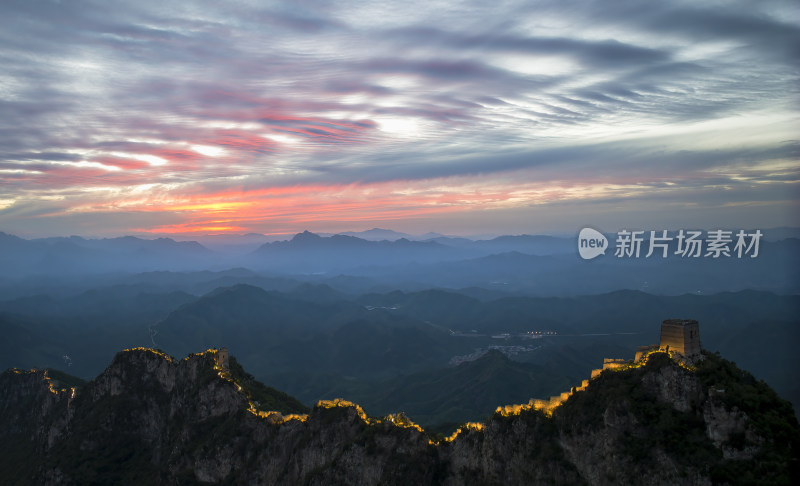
<point x="681" y="336"/>
<point x="222" y="358"/>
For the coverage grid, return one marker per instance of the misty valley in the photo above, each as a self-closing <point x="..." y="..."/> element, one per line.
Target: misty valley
<point x="461" y="332"/>
<point x="357" y="359"/>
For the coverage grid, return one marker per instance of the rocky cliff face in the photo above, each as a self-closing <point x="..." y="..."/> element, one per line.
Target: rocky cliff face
<point x="152" y="419"/>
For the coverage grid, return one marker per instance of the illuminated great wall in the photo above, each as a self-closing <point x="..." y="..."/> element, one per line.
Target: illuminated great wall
<point x="401" y="420"/>
<point x="679" y="338"/>
<point x="548" y="406"/>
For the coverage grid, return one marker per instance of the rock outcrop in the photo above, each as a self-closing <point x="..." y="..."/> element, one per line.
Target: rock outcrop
<point x="151" y="419"/>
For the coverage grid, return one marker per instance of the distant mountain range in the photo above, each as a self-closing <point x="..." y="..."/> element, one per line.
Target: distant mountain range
<point x="305" y="252"/>
<point x="510" y="265"/>
<point x="79" y="256"/>
<point x="378" y="234"/>
<point x="316" y="342"/>
<point x="309" y="253"/>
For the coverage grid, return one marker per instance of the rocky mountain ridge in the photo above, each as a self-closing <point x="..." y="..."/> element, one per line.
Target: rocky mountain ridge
<point x="149" y="418"/>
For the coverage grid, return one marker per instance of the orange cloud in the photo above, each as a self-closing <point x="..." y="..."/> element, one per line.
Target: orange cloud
<point x="190" y="228"/>
<point x="323" y="207"/>
<point x="297" y="206"/>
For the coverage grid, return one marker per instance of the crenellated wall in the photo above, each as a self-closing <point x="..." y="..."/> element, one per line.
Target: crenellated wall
<point x="680" y="338"/>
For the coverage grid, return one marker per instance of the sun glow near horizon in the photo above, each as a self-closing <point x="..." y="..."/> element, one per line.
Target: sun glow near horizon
<point x="463" y="124"/>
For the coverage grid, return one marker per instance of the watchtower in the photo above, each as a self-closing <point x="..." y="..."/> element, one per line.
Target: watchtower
<point x="222" y="358"/>
<point x="681" y="336"/>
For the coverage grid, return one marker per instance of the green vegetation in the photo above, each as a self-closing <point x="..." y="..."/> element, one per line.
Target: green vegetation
<point x="126" y="438"/>
<point x="468" y="392"/>
<point x="771" y="418"/>
<point x="106" y="445"/>
<point x="647" y="425"/>
<point x="390" y="352"/>
<point x="315" y="343"/>
<point x="18" y="459"/>
<point x="263" y="397"/>
<point x="64" y="380"/>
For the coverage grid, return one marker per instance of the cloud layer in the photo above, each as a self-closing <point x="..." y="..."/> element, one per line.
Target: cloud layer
<point x="198" y="117"/>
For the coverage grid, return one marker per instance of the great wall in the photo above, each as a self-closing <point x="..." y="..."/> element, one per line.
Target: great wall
<point x="680" y="338"/>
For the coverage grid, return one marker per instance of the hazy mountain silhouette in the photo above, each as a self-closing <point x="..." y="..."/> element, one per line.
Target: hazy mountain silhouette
<point x="75" y="255"/>
<point x="378" y="234"/>
<point x="308" y="252"/>
<point x="524" y="264"/>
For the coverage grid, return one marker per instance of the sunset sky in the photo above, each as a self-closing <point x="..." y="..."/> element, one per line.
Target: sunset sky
<point x="190" y="118"/>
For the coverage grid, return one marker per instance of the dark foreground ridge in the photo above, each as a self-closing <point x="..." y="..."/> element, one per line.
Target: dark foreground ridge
<point x="151" y="419"/>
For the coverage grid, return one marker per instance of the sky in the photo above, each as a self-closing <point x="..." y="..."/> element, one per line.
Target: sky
<point x="192" y="118"/>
